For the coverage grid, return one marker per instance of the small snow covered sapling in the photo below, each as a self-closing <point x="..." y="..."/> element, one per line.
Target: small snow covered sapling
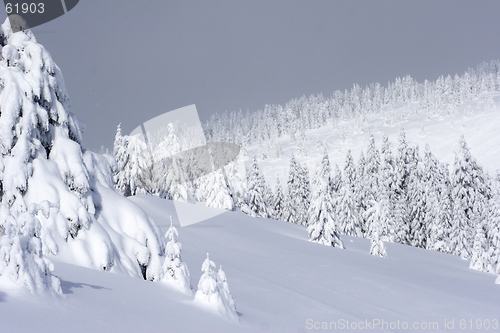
<point x="224" y="288"/>
<point x="213" y="290"/>
<point x="207" y="286"/>
<point x="173" y="267"/>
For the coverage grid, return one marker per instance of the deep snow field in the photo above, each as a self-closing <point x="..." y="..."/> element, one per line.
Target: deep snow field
<point x="279" y="280"/>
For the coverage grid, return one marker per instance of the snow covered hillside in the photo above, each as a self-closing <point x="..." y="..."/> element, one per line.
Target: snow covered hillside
<point x="279" y="280"/>
<point x="477" y="120"/>
<point x="411" y="163"/>
<point x="400" y="183"/>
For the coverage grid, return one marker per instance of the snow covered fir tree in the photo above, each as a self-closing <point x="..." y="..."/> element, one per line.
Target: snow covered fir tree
<point x="322" y="220"/>
<point x="57" y="199"/>
<point x="174" y="269"/>
<point x="213" y="291"/>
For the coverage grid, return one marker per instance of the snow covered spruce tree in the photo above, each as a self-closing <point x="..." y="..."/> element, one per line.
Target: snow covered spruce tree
<point x="322" y="220"/>
<point x="174" y="269"/>
<point x="57" y="198"/>
<point x="256" y="204"/>
<point x="402" y="175"/>
<point x="130" y="154"/>
<point x="349" y="222"/>
<point x="279" y="204"/>
<point x="470" y="191"/>
<point x="168" y="173"/>
<point x="21" y="258"/>
<point x="361" y="192"/>
<point x="458" y="233"/>
<point x="299" y="192"/>
<point x="237" y="183"/>
<point x="372" y="168"/>
<point x="367" y="182"/>
<point x="376" y="215"/>
<point x="218" y="193"/>
<point x="293" y="205"/>
<point x="387" y="183"/>
<point x="336" y="182"/>
<point x="480" y="259"/>
<point x="170" y="144"/>
<point x="494" y="230"/>
<point x="173" y="186"/>
<point x="417" y="202"/>
<point x="438" y="208"/>
<point x="225" y="293"/>
<point x="485" y="254"/>
<point x="213" y="291"/>
<point x="304" y="194"/>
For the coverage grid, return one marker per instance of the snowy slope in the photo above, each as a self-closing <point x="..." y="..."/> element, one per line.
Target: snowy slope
<point x="278" y="280"/>
<point x="477" y="120"/>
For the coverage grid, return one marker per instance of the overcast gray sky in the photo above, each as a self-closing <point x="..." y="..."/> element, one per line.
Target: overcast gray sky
<point x="126" y="61"/>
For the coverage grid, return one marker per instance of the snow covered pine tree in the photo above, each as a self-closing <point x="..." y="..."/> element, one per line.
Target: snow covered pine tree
<point x="376" y="216"/>
<point x="213" y="291"/>
<point x="56" y="197"/>
<point x="173" y="268"/>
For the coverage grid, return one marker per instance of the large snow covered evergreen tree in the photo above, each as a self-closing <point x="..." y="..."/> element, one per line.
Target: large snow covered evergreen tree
<point x="304" y="195"/>
<point x="57" y="198"/>
<point x="375" y="216"/>
<point x="438" y="206"/>
<point x="402" y="177"/>
<point x="349" y="222"/>
<point x="257" y="188"/>
<point x="219" y="193"/>
<point x="387" y="184"/>
<point x="237" y="183"/>
<point x="130" y="154"/>
<point x="361" y="191"/>
<point x="322" y="220"/>
<point x="372" y="167"/>
<point x="417" y="202"/>
<point x="470" y="191"/>
<point x="293" y="192"/>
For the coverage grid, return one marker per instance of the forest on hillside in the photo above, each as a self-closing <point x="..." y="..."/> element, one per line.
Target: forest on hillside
<point x="394" y="194"/>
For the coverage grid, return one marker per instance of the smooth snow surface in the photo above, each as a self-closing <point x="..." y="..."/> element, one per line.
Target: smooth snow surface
<point x="191" y="213"/>
<point x="278" y="280"/>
